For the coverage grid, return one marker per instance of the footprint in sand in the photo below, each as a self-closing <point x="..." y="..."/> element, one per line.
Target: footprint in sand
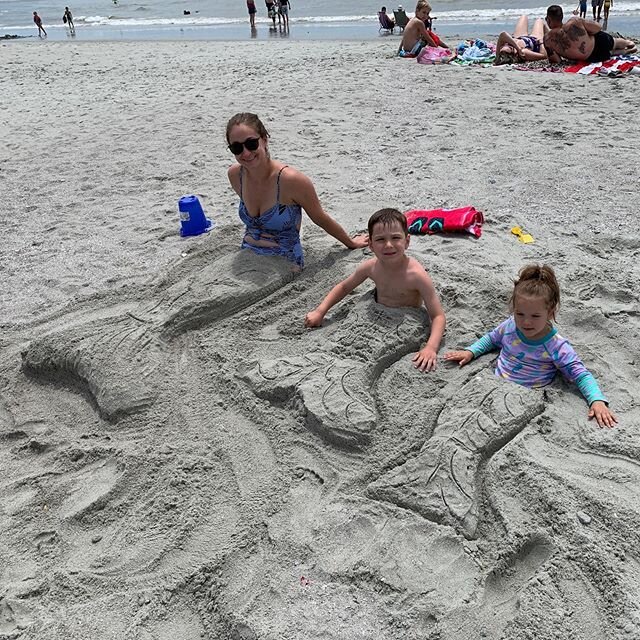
<point x="442" y="482"/>
<point x="118" y="355"/>
<point x="332" y="382"/>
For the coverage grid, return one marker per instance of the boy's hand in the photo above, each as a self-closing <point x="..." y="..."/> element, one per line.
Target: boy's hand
<point x="462" y="357"/>
<point x="313" y="319"/>
<point x="425" y="359"/>
<point x="604" y="417"/>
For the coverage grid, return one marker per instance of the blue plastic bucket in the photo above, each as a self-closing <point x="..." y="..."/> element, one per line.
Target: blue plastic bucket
<point x="193" y="222"/>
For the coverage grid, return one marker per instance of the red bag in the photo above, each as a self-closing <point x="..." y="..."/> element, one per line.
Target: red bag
<point x="467" y="219"/>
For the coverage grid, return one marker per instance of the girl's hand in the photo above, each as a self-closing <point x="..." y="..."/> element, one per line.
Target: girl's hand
<point x="462" y="357"/>
<point x="425" y="359"/>
<point x="313" y="319"/>
<point x="360" y="241"/>
<point x="604" y="417"/>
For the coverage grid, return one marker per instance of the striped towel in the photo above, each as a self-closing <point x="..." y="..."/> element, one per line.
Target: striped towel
<point x="616" y="66"/>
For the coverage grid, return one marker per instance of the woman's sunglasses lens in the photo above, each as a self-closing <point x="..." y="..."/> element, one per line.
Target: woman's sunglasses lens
<point x="251" y="144"/>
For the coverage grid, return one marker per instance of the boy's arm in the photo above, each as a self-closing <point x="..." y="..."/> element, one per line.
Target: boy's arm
<point x="426" y="358"/>
<point x="314" y="318"/>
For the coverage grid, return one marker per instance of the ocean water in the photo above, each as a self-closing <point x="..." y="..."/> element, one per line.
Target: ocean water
<point x="309" y="19"/>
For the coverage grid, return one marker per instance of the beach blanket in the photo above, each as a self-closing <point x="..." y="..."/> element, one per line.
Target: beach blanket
<point x="616" y="66"/>
<point x="463" y="219"/>
<point x="435" y="55"/>
<point x="475" y="52"/>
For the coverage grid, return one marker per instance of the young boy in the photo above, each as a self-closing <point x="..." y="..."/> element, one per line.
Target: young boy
<point x="400" y="281"/>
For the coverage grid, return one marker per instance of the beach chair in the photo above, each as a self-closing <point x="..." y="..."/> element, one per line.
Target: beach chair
<point x="402" y="19"/>
<point x="386" y="24"/>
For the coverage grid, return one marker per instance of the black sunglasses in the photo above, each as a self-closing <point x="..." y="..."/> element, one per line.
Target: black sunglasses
<point x="251" y="144"/>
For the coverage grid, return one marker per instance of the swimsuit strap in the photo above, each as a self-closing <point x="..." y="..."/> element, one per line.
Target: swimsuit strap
<point x="278" y="184"/>
<point x="241" y="183"/>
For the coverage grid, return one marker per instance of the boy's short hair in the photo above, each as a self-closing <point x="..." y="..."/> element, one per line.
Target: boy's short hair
<point x="423" y="4"/>
<point x="387" y="217"/>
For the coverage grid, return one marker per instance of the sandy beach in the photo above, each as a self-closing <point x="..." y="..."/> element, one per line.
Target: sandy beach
<point x="182" y="459"/>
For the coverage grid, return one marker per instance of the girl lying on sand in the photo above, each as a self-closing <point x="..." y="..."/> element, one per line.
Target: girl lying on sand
<point x="531" y="350"/>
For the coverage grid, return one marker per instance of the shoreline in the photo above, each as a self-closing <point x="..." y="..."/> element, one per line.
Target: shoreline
<point x="238" y="32"/>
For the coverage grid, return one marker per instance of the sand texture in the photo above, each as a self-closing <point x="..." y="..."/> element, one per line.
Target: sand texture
<point x="181" y="459"/>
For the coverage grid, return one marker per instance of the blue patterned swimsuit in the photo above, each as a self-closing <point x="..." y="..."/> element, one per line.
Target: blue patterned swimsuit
<point x="280" y="224"/>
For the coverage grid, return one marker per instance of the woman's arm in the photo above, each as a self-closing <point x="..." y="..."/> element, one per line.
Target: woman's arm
<point x="233" y="174"/>
<point x="303" y="192"/>
<point x="532" y="56"/>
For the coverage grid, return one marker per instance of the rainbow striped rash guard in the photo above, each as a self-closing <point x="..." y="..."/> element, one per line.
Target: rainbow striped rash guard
<point x="534" y="363"/>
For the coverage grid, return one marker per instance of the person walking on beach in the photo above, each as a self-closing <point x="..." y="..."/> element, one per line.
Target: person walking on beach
<point x="271" y="10"/>
<point x="596" y="6"/>
<point x="531" y="351"/>
<point x="400" y="281"/>
<point x="582" y="9"/>
<point x="606" y="7"/>
<point x="251" y="7"/>
<point x="38" y="20"/>
<point x="285" y="5"/>
<point x="581" y="40"/>
<point x="67" y="18"/>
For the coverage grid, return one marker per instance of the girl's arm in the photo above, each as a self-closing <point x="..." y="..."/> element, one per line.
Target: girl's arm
<point x="488" y="342"/>
<point x="314" y="318"/>
<point x="303" y="193"/>
<point x="572" y="368"/>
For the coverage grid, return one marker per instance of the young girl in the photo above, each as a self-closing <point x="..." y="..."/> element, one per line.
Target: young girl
<point x="531" y="350"/>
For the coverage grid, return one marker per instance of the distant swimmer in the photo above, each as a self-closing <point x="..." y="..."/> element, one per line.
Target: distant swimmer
<point x="38" y="20"/>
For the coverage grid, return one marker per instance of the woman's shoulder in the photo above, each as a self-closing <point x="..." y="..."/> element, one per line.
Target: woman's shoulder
<point x="233" y="171"/>
<point x="293" y="179"/>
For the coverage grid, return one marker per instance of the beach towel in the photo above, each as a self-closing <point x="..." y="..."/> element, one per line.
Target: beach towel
<point x="616" y="66"/>
<point x="475" y="52"/>
<point x="435" y="55"/>
<point x="463" y="219"/>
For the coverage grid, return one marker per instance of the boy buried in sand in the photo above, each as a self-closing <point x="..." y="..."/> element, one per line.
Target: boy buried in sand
<point x="400" y="281"/>
<point x="531" y="350"/>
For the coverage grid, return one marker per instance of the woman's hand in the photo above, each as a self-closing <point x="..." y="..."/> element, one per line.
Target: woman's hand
<point x="461" y="357"/>
<point x="603" y="415"/>
<point x="361" y="241"/>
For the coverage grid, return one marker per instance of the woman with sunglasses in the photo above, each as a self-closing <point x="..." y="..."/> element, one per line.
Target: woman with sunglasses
<point x="273" y="195"/>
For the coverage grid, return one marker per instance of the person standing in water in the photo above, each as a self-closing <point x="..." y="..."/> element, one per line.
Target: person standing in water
<point x="38" y="21"/>
<point x="67" y="18"/>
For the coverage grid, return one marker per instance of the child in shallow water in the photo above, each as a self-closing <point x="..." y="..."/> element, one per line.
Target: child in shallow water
<point x="531" y="350"/>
